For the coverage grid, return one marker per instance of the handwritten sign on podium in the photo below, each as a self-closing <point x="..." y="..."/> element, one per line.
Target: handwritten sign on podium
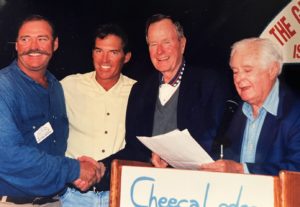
<point x="153" y="187"/>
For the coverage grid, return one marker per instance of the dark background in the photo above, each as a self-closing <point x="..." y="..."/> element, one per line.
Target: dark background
<point x="211" y="26"/>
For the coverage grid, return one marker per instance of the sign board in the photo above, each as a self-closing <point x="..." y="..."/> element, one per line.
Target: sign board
<point x="284" y="30"/>
<point x="156" y="187"/>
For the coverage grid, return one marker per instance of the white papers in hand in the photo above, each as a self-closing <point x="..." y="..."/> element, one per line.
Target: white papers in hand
<point x="178" y="148"/>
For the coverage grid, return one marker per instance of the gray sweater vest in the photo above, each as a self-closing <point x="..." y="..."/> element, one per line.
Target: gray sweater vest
<point x="165" y="117"/>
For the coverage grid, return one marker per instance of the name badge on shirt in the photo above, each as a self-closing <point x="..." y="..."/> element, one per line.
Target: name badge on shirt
<point x="43" y="132"/>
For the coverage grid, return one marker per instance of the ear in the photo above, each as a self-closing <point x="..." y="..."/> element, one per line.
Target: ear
<point x="274" y="70"/>
<point x="127" y="57"/>
<point x="182" y="44"/>
<point x="55" y="44"/>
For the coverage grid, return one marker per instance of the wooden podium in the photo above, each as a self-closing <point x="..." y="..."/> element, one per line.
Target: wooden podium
<point x="289" y="186"/>
<point x="286" y="185"/>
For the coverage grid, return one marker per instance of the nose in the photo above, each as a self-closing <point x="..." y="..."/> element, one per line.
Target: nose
<point x="105" y="57"/>
<point x="238" y="77"/>
<point x="34" y="44"/>
<point x="159" y="49"/>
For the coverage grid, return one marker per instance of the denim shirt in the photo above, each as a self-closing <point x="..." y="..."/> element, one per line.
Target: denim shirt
<point x="29" y="168"/>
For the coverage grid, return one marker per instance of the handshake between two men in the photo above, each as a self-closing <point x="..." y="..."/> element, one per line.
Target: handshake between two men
<point x="91" y="173"/>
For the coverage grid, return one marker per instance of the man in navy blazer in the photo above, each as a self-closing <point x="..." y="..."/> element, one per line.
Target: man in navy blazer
<point x="175" y="96"/>
<point x="264" y="135"/>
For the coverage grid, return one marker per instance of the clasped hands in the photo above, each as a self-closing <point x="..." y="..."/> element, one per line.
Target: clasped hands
<point x="91" y="173"/>
<point x="217" y="166"/>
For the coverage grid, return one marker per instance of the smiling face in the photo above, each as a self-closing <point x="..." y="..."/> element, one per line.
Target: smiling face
<point x="166" y="48"/>
<point x="35" y="46"/>
<point x="253" y="81"/>
<point x="108" y="59"/>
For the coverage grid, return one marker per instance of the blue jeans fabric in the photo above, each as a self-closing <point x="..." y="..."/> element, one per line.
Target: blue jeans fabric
<point x="74" y="198"/>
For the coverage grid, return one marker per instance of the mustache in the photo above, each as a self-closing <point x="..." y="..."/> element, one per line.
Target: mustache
<point x="42" y="52"/>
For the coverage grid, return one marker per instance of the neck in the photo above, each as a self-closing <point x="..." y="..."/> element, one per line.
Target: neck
<point x="256" y="107"/>
<point x="255" y="110"/>
<point x="40" y="79"/>
<point x="36" y="75"/>
<point x="168" y="76"/>
<point x="107" y="84"/>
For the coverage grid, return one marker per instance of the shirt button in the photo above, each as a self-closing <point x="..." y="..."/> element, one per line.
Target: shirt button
<point x="103" y="150"/>
<point x="33" y="127"/>
<point x="107" y="113"/>
<point x="54" y="141"/>
<point x="105" y="132"/>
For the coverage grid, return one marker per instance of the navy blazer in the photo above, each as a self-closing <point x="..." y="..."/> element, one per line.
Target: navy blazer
<point x="278" y="147"/>
<point x="201" y="100"/>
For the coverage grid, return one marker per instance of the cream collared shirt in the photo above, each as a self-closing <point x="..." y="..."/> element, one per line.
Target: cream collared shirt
<point x="96" y="117"/>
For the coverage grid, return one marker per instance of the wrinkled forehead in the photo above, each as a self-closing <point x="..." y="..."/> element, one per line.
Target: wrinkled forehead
<point x="165" y="26"/>
<point x="245" y="58"/>
<point x="246" y="51"/>
<point x="35" y="27"/>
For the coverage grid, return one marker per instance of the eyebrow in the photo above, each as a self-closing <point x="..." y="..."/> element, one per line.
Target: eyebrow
<point x="31" y="36"/>
<point x="99" y="48"/>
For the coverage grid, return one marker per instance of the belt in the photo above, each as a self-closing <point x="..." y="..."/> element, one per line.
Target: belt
<point x="24" y="200"/>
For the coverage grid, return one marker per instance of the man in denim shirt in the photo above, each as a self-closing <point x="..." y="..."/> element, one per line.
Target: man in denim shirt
<point x="34" y="126"/>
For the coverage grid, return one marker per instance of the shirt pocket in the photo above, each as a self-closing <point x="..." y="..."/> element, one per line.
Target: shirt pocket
<point x="29" y="126"/>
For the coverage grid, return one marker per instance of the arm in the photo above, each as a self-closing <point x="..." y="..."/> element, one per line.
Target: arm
<point x="204" y="110"/>
<point x="279" y="145"/>
<point x="285" y="151"/>
<point x="26" y="168"/>
<point x="223" y="166"/>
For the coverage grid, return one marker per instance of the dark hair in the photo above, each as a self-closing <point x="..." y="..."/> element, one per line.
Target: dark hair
<point x="113" y="29"/>
<point x="36" y="17"/>
<point x="158" y="17"/>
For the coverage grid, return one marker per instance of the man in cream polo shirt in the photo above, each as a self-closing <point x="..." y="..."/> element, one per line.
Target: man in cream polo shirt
<point x="96" y="107"/>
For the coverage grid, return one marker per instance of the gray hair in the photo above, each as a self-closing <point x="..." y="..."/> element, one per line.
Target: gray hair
<point x="159" y="17"/>
<point x="267" y="51"/>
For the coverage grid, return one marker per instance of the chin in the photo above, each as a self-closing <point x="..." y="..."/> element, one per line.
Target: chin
<point x="162" y="69"/>
<point x="245" y="98"/>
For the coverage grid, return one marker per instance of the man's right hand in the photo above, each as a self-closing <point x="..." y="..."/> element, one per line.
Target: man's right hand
<point x="90" y="173"/>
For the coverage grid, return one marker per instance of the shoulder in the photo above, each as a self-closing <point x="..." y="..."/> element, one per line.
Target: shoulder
<point x="210" y="81"/>
<point x="203" y="73"/>
<point x="127" y="81"/>
<point x="78" y="84"/>
<point x="208" y="78"/>
<point x="4" y="72"/>
<point x="148" y="82"/>
<point x="145" y="87"/>
<point x="8" y="78"/>
<point x="77" y="79"/>
<point x="289" y="107"/>
<point x="289" y="99"/>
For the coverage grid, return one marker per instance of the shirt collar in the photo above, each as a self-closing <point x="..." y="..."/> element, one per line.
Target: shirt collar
<point x="49" y="76"/>
<point x="272" y="101"/>
<point x="177" y="78"/>
<point x="270" y="104"/>
<point x="115" y="89"/>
